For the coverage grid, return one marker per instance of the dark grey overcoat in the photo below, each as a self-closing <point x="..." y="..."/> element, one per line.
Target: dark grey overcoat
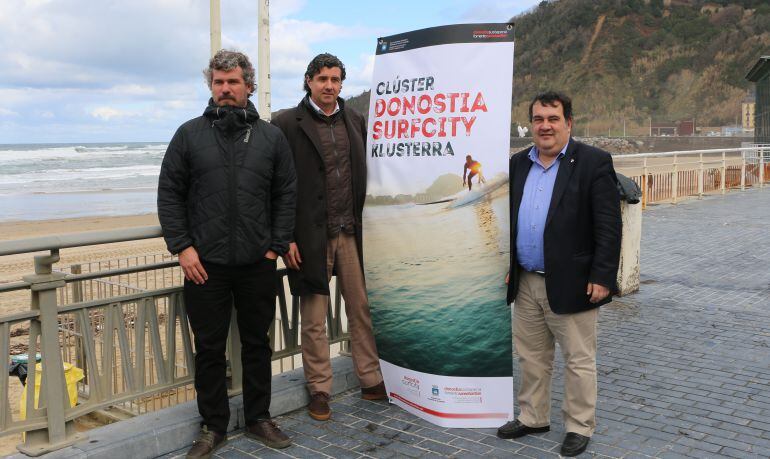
<point x="310" y="228"/>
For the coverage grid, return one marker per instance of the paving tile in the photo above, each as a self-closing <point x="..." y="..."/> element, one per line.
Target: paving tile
<point x="683" y="366"/>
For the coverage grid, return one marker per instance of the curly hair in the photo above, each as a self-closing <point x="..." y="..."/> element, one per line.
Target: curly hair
<point x="228" y="60"/>
<point x="319" y="62"/>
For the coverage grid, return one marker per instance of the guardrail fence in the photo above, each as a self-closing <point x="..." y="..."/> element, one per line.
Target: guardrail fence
<point x="123" y="324"/>
<point x="671" y="176"/>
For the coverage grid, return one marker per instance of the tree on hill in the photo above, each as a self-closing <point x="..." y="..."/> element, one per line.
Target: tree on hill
<point x="632" y="60"/>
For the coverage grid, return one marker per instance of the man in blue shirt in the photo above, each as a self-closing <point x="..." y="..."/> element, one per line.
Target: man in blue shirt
<point x="565" y="250"/>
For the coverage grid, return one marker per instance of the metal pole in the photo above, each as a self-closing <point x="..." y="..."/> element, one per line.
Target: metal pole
<point x="722" y="180"/>
<point x="743" y="171"/>
<point x="216" y="26"/>
<point x="645" y="186"/>
<point x="674" y="182"/>
<point x="263" y="60"/>
<point x="700" y="176"/>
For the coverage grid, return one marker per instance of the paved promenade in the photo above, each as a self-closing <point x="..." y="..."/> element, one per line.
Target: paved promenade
<point x="684" y="365"/>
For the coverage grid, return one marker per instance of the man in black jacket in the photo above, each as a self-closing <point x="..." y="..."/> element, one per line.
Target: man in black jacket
<point x="328" y="141"/>
<point x="565" y="250"/>
<point x="226" y="202"/>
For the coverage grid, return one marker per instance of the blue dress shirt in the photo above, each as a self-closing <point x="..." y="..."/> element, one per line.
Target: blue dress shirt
<point x="533" y="211"/>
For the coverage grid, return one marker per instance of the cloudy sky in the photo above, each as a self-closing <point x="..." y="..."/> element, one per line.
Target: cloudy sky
<point x="130" y="70"/>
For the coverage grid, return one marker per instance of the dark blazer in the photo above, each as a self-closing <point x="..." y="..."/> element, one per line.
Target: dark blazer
<point x="581" y="239"/>
<point x="310" y="228"/>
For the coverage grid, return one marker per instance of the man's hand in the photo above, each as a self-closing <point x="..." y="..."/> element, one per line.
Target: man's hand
<point x="507" y="277"/>
<point x="192" y="267"/>
<point x="270" y="255"/>
<point x="292" y="260"/>
<point x="597" y="292"/>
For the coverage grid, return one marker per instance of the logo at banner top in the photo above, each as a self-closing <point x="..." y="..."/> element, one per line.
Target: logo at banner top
<point x="434" y="390"/>
<point x="383" y="45"/>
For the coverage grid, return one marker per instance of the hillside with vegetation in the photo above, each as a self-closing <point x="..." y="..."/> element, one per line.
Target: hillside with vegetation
<point x="629" y="61"/>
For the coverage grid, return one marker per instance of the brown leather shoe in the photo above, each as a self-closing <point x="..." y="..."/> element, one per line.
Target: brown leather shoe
<point x="206" y="444"/>
<point x="318" y="408"/>
<point x="268" y="433"/>
<point x="375" y="392"/>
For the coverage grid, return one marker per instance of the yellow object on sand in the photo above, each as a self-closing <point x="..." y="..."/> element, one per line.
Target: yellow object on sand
<point x="72" y="375"/>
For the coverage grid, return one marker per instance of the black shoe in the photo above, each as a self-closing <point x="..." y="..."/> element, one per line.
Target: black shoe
<point x="574" y="444"/>
<point x="516" y="429"/>
<point x="207" y="442"/>
<point x="268" y="432"/>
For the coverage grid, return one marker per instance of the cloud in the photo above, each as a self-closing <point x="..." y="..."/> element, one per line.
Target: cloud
<point x="71" y="43"/>
<point x="284" y="8"/>
<point x="132" y="90"/>
<point x="108" y="113"/>
<point x="70" y="66"/>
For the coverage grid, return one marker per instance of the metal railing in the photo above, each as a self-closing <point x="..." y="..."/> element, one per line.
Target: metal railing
<point x="671" y="176"/>
<point x="125" y="326"/>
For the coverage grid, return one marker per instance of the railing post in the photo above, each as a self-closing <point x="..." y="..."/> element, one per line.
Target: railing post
<point x="743" y="170"/>
<point x="674" y="182"/>
<point x="761" y="152"/>
<point x="645" y="192"/>
<point x="53" y="396"/>
<point x="700" y="175"/>
<point x="723" y="175"/>
<point x="77" y="297"/>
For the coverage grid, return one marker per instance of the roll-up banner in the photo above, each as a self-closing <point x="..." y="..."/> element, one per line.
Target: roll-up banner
<point x="436" y="237"/>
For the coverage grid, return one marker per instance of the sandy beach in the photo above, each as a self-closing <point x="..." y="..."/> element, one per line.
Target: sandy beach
<point x="13" y="267"/>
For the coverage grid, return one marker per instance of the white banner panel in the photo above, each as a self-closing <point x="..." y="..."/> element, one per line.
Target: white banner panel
<point x="436" y="238"/>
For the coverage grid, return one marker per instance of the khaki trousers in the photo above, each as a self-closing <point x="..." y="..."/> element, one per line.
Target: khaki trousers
<point x="342" y="256"/>
<point x="535" y="328"/>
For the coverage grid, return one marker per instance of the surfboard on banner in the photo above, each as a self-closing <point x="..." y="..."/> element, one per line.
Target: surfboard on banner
<point x="436" y="226"/>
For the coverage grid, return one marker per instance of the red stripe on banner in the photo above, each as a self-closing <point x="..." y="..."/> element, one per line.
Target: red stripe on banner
<point x="449" y="415"/>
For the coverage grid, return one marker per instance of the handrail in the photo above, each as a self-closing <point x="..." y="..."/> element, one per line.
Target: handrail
<point x="688" y="152"/>
<point x="62" y="241"/>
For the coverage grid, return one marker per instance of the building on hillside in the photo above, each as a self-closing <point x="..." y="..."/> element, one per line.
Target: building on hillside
<point x="748" y="109"/>
<point x="760" y="76"/>
<point x="709" y="131"/>
<point x="662" y="129"/>
<point x="685" y="127"/>
<point x="732" y="131"/>
<point x="669" y="129"/>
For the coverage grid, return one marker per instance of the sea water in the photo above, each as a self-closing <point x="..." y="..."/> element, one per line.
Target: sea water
<point x="436" y="282"/>
<point x="49" y="181"/>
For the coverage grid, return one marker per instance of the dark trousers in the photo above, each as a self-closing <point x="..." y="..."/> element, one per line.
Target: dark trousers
<point x="251" y="289"/>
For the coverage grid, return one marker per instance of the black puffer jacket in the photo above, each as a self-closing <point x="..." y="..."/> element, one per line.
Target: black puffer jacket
<point x="227" y="187"/>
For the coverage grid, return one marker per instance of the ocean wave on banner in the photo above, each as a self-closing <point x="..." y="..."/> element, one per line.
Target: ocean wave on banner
<point x="77" y="168"/>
